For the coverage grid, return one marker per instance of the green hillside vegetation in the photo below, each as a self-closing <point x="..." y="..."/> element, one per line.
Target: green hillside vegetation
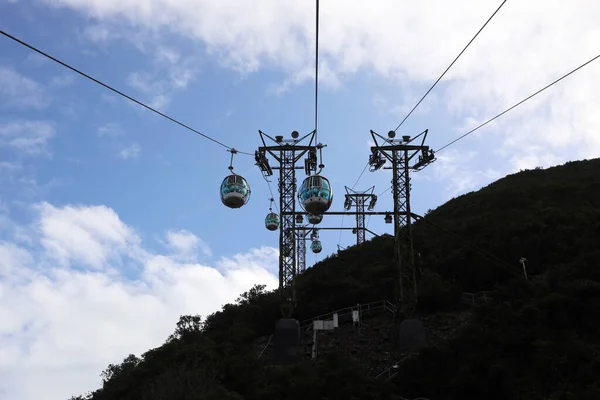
<point x="537" y="339"/>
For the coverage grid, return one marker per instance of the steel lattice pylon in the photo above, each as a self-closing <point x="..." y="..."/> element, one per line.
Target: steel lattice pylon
<point x="358" y="200"/>
<point x="287" y="152"/>
<point x="301" y="250"/>
<point x="400" y="153"/>
<point x="287" y="202"/>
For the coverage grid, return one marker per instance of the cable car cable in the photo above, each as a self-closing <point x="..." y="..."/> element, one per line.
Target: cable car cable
<point x="316" y="70"/>
<point x="518" y="104"/>
<point x="384" y="192"/>
<point x="360" y="176"/>
<point x="450" y="66"/>
<point x="117" y="91"/>
<point x="271" y="191"/>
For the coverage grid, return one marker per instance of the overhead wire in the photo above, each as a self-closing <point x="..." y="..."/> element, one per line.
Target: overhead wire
<point x="385" y="191"/>
<point x="316" y="70"/>
<point x="31" y="47"/>
<point x="271" y="191"/>
<point x="360" y="176"/>
<point x="450" y="66"/>
<point x="431" y="88"/>
<point x="379" y="195"/>
<point x="518" y="104"/>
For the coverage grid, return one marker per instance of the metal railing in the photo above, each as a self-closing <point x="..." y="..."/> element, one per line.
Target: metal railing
<point x="479" y="297"/>
<point x="344" y="313"/>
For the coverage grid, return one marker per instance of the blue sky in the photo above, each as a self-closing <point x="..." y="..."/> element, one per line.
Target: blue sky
<point x="171" y="177"/>
<point x="110" y="214"/>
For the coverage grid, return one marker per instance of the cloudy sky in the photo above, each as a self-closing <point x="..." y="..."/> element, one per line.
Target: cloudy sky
<point x="110" y="220"/>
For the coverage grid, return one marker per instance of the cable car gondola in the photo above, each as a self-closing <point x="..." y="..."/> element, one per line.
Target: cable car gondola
<point x="316" y="246"/>
<point x="315" y="219"/>
<point x="315" y="195"/>
<point x="235" y="190"/>
<point x="272" y="220"/>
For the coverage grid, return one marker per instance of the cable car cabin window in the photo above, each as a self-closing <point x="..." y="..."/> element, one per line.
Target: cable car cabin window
<point x="316" y="187"/>
<point x="272" y="218"/>
<point x="234" y="184"/>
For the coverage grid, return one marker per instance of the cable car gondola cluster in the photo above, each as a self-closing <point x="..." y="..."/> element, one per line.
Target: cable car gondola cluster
<point x="316" y="245"/>
<point x="315" y="197"/>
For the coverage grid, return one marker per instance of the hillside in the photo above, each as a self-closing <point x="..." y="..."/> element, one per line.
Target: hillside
<point x="537" y="339"/>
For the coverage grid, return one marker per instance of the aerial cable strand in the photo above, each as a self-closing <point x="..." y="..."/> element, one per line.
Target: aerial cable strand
<point x="316" y="70"/>
<point x="117" y="91"/>
<point x="450" y="66"/>
<point x="384" y="192"/>
<point x="360" y="176"/>
<point x="271" y="191"/>
<point x="518" y="104"/>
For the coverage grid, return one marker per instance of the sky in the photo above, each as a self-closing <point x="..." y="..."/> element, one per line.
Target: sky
<point x="111" y="226"/>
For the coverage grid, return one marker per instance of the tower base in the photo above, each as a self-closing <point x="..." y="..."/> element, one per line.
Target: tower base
<point x="286" y="341"/>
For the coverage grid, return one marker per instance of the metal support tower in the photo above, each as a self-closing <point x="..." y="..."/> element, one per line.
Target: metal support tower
<point x="301" y="249"/>
<point x="400" y="153"/>
<point x="358" y="200"/>
<point x="287" y="152"/>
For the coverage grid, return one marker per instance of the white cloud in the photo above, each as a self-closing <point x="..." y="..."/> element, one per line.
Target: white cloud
<point x="455" y="170"/>
<point x="169" y="76"/>
<point x="132" y="151"/>
<point x="9" y="166"/>
<point x="92" y="236"/>
<point x="62" y="80"/>
<point x="100" y="33"/>
<point x="186" y="245"/>
<point x="19" y="91"/>
<point x="110" y="129"/>
<point x="68" y="310"/>
<point x="28" y="137"/>
<point x="409" y="45"/>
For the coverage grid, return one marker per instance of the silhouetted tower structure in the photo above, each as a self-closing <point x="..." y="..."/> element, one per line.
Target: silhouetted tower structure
<point x="301" y="249"/>
<point x="358" y="200"/>
<point x="400" y="153"/>
<point x="287" y="152"/>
